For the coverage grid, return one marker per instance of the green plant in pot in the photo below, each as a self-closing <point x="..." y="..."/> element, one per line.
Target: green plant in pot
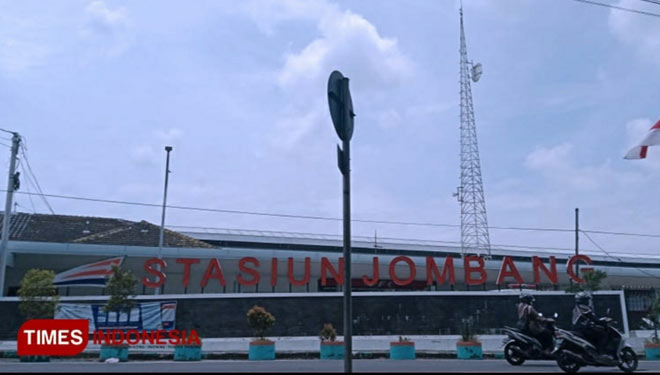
<point x="38" y="300"/>
<point x="652" y="320"/>
<point x="330" y="348"/>
<point x="260" y="321"/>
<point x="121" y="287"/>
<point x="469" y="346"/>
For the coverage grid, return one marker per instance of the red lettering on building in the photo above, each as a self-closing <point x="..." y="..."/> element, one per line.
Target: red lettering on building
<point x="250" y="271"/>
<point x="373" y="281"/>
<point x="508" y="269"/>
<point x="187" y="263"/>
<point x="469" y="269"/>
<point x="148" y="267"/>
<point x="213" y="271"/>
<point x="570" y="267"/>
<point x="308" y="272"/>
<point x="411" y="275"/>
<point x="447" y="271"/>
<point x="327" y="266"/>
<point x="537" y="265"/>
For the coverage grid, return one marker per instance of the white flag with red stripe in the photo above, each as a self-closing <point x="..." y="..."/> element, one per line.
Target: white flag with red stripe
<point x="92" y="274"/>
<point x="651" y="139"/>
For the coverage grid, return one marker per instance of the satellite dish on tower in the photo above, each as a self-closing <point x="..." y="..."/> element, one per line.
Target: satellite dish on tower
<point x="341" y="105"/>
<point x="477" y="70"/>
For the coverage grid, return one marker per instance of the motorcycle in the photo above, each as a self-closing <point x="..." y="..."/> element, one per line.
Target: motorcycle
<point x="520" y="346"/>
<point x="572" y="351"/>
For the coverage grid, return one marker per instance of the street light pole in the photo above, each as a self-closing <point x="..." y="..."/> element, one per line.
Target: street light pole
<point x="161" y="238"/>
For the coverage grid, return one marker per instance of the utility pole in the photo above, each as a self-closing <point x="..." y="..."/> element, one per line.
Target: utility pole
<point x="577" y="240"/>
<point x="6" y="223"/>
<point x="161" y="239"/>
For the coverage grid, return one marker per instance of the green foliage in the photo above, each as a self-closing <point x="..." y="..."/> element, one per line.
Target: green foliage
<point x="260" y="321"/>
<point x="328" y="333"/>
<point x="468" y="331"/>
<point x="592" y="281"/>
<point x="38" y="295"/>
<point x="121" y="288"/>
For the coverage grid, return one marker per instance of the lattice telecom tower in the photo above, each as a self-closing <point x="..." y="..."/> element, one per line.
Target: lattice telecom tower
<point x="474" y="223"/>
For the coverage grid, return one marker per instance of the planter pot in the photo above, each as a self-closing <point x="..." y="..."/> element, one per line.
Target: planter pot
<point x="187" y="353"/>
<point x="332" y="350"/>
<point x="261" y="350"/>
<point x="114" y="351"/>
<point x="402" y="350"/>
<point x="469" y="350"/>
<point x="652" y="351"/>
<point x="35" y="358"/>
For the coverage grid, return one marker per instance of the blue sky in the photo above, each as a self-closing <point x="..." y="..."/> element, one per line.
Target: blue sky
<point x="97" y="88"/>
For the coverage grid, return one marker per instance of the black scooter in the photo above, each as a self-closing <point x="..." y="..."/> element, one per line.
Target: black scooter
<point x="519" y="346"/>
<point x="573" y="351"/>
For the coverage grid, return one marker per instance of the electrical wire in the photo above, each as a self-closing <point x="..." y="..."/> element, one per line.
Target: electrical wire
<point x="23" y="149"/>
<point x="615" y="257"/>
<point x="620" y="8"/>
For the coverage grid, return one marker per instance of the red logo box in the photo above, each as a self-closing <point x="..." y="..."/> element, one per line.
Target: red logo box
<point x="61" y="337"/>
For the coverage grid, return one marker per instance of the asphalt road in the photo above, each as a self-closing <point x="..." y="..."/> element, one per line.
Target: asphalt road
<point x="305" y="366"/>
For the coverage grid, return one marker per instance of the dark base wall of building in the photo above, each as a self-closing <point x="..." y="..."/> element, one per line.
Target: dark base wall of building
<point x="372" y="315"/>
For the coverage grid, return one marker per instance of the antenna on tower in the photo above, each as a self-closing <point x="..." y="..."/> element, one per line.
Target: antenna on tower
<point x="474" y="223"/>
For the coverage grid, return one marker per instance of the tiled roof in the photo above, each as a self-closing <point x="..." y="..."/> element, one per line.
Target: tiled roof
<point x="93" y="230"/>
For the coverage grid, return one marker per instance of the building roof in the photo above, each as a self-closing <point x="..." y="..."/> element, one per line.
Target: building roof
<point x="93" y="230"/>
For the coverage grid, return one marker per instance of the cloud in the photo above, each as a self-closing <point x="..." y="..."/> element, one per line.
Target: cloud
<point x="17" y="56"/>
<point x="639" y="31"/>
<point x="106" y="30"/>
<point x="150" y="154"/>
<point x="558" y="165"/>
<point x="345" y="41"/>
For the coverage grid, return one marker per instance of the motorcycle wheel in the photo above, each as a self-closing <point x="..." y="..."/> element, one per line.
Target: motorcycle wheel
<point x="511" y="351"/>
<point x="567" y="364"/>
<point x="628" y="362"/>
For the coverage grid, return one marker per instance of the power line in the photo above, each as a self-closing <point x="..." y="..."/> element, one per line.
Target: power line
<point x="620" y="8"/>
<point x="621" y="233"/>
<point x="325" y="218"/>
<point x="652" y="1"/>
<point x="617" y="258"/>
<point x="367" y="238"/>
<point x="23" y="148"/>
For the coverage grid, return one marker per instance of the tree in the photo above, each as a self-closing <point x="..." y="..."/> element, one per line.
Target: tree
<point x="38" y="295"/>
<point x="592" y="281"/>
<point x="121" y="287"/>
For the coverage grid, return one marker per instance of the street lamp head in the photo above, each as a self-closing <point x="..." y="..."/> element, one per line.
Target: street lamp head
<point x="168" y="148"/>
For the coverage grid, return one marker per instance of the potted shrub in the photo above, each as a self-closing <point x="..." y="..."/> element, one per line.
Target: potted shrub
<point x="402" y="349"/>
<point x="38" y="300"/>
<point x="260" y="321"/>
<point x="184" y="351"/>
<point x="469" y="347"/>
<point x="121" y="287"/>
<point x="652" y="345"/>
<point x="330" y="348"/>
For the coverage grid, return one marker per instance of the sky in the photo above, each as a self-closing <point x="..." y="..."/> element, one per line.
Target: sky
<point x="238" y="88"/>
